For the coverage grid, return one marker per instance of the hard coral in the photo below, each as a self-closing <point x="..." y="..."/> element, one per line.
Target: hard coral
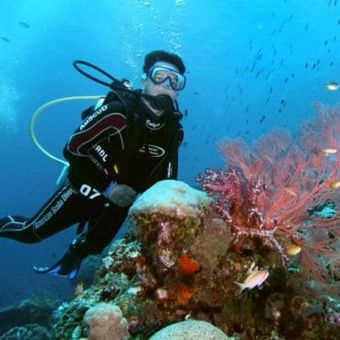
<point x="190" y="330"/>
<point x="167" y="219"/>
<point x="106" y="322"/>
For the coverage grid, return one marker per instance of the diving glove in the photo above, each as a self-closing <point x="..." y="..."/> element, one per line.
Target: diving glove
<point x="68" y="266"/>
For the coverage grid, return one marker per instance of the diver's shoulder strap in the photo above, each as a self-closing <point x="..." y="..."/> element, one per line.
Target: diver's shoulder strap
<point x="129" y="99"/>
<point x="112" y="96"/>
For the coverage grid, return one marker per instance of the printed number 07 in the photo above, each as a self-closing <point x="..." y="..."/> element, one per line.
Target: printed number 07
<point x="89" y="192"/>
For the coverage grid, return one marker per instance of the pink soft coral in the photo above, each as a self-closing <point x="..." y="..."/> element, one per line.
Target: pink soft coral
<point x="270" y="190"/>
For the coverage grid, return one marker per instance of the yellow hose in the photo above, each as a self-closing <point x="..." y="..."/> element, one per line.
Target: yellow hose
<point x="47" y="105"/>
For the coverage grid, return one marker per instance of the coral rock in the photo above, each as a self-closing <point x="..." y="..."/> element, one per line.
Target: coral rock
<point x="106" y="322"/>
<point x="190" y="330"/>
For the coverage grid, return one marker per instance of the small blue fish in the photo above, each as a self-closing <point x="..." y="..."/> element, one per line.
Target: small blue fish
<point x="24" y="24"/>
<point x="5" y="39"/>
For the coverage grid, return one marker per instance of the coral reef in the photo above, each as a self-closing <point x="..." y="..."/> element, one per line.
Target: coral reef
<point x="254" y="255"/>
<point x="179" y="263"/>
<point x="36" y="310"/>
<point x="27" y="332"/>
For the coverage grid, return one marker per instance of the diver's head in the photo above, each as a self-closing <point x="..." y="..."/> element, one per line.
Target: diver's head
<point x="163" y="74"/>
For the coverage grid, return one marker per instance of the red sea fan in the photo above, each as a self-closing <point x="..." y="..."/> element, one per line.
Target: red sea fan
<point x="271" y="189"/>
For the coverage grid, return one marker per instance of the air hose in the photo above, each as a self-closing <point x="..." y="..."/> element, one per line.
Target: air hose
<point x="44" y="107"/>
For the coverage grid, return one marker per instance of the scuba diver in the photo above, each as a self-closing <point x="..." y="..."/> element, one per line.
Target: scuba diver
<point x="122" y="147"/>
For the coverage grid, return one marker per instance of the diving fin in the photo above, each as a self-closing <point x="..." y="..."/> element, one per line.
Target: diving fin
<point x="57" y="270"/>
<point x="68" y="266"/>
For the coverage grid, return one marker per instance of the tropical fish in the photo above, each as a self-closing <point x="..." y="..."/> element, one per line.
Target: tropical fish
<point x="79" y="289"/>
<point x="290" y="191"/>
<point x="24" y="24"/>
<point x="329" y="151"/>
<point x="293" y="269"/>
<point x="335" y="184"/>
<point x="332" y="86"/>
<point x="256" y="278"/>
<point x="293" y="249"/>
<point x="5" y="39"/>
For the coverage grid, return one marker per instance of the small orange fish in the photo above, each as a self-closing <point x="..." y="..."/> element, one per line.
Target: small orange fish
<point x="79" y="289"/>
<point x="188" y="266"/>
<point x="256" y="278"/>
<point x="329" y="151"/>
<point x="290" y="191"/>
<point x="335" y="185"/>
<point x="293" y="249"/>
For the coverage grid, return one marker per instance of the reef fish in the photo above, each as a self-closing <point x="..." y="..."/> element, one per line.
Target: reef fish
<point x="332" y="86"/>
<point x="256" y="278"/>
<point x="329" y="151"/>
<point x="79" y="289"/>
<point x="335" y="185"/>
<point x="293" y="249"/>
<point x="24" y="24"/>
<point x="290" y="191"/>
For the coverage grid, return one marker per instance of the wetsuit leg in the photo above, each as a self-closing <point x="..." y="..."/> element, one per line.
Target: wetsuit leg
<point x="65" y="208"/>
<point x="103" y="228"/>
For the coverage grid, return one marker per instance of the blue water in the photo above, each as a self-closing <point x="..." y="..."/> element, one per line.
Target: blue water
<point x="244" y="58"/>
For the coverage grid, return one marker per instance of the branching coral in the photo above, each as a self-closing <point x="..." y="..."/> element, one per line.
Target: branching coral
<point x="269" y="190"/>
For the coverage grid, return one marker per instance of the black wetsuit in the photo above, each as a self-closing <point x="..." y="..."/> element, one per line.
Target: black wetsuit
<point x="109" y="146"/>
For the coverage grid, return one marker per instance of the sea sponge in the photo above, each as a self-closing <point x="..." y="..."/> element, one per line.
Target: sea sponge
<point x="106" y="322"/>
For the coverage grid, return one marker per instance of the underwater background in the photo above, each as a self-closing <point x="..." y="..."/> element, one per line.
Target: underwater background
<point x="252" y="66"/>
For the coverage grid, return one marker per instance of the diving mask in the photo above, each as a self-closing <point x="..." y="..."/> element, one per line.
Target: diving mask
<point x="159" y="74"/>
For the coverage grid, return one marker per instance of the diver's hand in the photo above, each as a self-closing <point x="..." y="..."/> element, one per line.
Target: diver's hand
<point x="120" y="194"/>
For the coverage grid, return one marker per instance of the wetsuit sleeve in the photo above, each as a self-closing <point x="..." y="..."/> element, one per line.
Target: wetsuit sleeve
<point x="89" y="149"/>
